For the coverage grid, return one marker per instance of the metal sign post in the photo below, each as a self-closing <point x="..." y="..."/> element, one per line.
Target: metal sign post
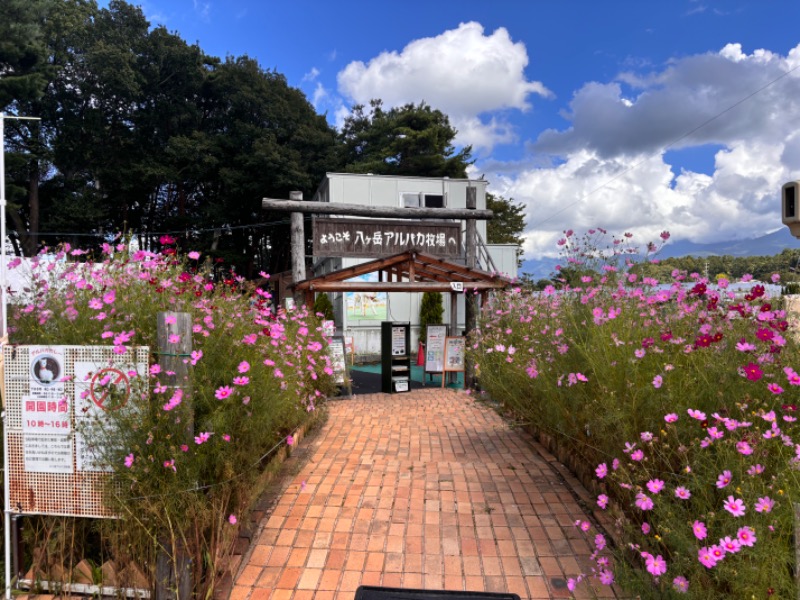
<point x="4" y="330"/>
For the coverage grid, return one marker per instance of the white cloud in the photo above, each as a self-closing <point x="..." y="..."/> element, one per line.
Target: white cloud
<point x="610" y="168"/>
<point x="463" y="72"/>
<point x="718" y="98"/>
<point x="320" y="95"/>
<point x="311" y="75"/>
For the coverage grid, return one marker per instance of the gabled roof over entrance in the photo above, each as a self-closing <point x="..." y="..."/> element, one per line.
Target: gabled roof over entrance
<point x="409" y="271"/>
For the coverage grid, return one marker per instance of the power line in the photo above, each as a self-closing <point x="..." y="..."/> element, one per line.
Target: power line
<point x="172" y="232"/>
<point x="669" y="145"/>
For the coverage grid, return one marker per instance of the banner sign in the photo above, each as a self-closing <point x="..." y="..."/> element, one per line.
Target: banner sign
<point x="376" y="238"/>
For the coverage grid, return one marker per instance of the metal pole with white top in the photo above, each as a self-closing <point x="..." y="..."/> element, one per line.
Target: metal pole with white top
<point x="4" y="337"/>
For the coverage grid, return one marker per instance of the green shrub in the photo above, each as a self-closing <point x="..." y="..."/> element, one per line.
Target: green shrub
<point x="431" y="311"/>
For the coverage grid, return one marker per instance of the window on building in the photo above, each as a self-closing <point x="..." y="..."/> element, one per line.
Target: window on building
<point x="415" y="200"/>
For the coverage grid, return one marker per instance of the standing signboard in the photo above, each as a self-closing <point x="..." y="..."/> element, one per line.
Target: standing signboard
<point x="434" y="348"/>
<point x="338" y="360"/>
<point x="57" y="399"/>
<point x="453" y="355"/>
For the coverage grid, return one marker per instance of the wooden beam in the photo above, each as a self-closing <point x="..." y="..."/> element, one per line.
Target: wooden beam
<point x="394" y="286"/>
<point x="390" y="212"/>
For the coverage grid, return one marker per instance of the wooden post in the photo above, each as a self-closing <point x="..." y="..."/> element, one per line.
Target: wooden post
<point x="470" y="298"/>
<point x="453" y="329"/>
<point x="173" y="565"/>
<point x="298" y="242"/>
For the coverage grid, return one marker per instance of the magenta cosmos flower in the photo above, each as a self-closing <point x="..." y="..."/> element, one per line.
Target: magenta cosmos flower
<point x="735" y="506"/>
<point x="223" y="392"/>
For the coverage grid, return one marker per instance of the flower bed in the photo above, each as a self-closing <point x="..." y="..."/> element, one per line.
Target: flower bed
<point x="185" y="457"/>
<point x="683" y="399"/>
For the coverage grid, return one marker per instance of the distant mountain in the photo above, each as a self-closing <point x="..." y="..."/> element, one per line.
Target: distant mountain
<point x="766" y="245"/>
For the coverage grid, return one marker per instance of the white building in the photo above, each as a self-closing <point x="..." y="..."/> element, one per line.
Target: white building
<point x="359" y="314"/>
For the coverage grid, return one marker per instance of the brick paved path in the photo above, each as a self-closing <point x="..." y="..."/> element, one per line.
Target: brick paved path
<point x="428" y="489"/>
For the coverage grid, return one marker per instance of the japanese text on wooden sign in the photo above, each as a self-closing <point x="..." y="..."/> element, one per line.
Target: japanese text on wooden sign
<point x="376" y="238"/>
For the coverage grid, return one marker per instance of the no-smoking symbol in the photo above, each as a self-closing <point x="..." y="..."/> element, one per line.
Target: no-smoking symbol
<point x="110" y="389"/>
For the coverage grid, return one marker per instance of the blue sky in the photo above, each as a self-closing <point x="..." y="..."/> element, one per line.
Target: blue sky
<point x="630" y="115"/>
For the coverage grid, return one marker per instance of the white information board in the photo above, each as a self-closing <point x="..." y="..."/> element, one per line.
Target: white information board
<point x="434" y="348"/>
<point x="399" y="341"/>
<point x="55" y="397"/>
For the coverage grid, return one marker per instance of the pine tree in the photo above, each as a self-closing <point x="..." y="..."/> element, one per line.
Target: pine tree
<point x="322" y="305"/>
<point x="431" y="311"/>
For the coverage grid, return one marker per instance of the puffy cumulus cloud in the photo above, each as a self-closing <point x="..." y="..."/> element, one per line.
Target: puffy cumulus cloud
<point x="723" y="98"/>
<point x="645" y="196"/>
<point x="609" y="168"/>
<point x="463" y="72"/>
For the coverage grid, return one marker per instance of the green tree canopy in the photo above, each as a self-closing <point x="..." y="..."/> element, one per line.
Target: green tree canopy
<point x="409" y="140"/>
<point x="508" y="223"/>
<point x="143" y="132"/>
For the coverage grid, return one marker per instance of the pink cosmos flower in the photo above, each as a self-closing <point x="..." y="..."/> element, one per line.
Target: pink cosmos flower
<point x="129" y="460"/>
<point x="109" y="297"/>
<point x="699" y="530"/>
<point x="244" y="366"/>
<point x="643" y="501"/>
<point x="655" y="486"/>
<point x="202" y="438"/>
<point x="752" y="371"/>
<point x="95" y="303"/>
<point x="656" y="565"/>
<point x="680" y="584"/>
<point x="232" y="519"/>
<point x="730" y="545"/>
<point x="637" y="455"/>
<point x="155" y="369"/>
<point x="697" y="414"/>
<point x="718" y="552"/>
<point x="241" y="380"/>
<point x="606" y="577"/>
<point x="755" y="470"/>
<point x="223" y="392"/>
<point x="289" y="440"/>
<point x="735" y="506"/>
<point x="764" y="505"/>
<point x="657" y="381"/>
<point x="602" y="501"/>
<point x="194" y="255"/>
<point x="744" y="448"/>
<point x="174" y="338"/>
<point x="724" y="479"/>
<point x="599" y="541"/>
<point x="671" y="417"/>
<point x="746" y="536"/>
<point x="775" y="388"/>
<point x="645" y="528"/>
<point x="682" y="493"/>
<point x="706" y="558"/>
<point x="601" y="471"/>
